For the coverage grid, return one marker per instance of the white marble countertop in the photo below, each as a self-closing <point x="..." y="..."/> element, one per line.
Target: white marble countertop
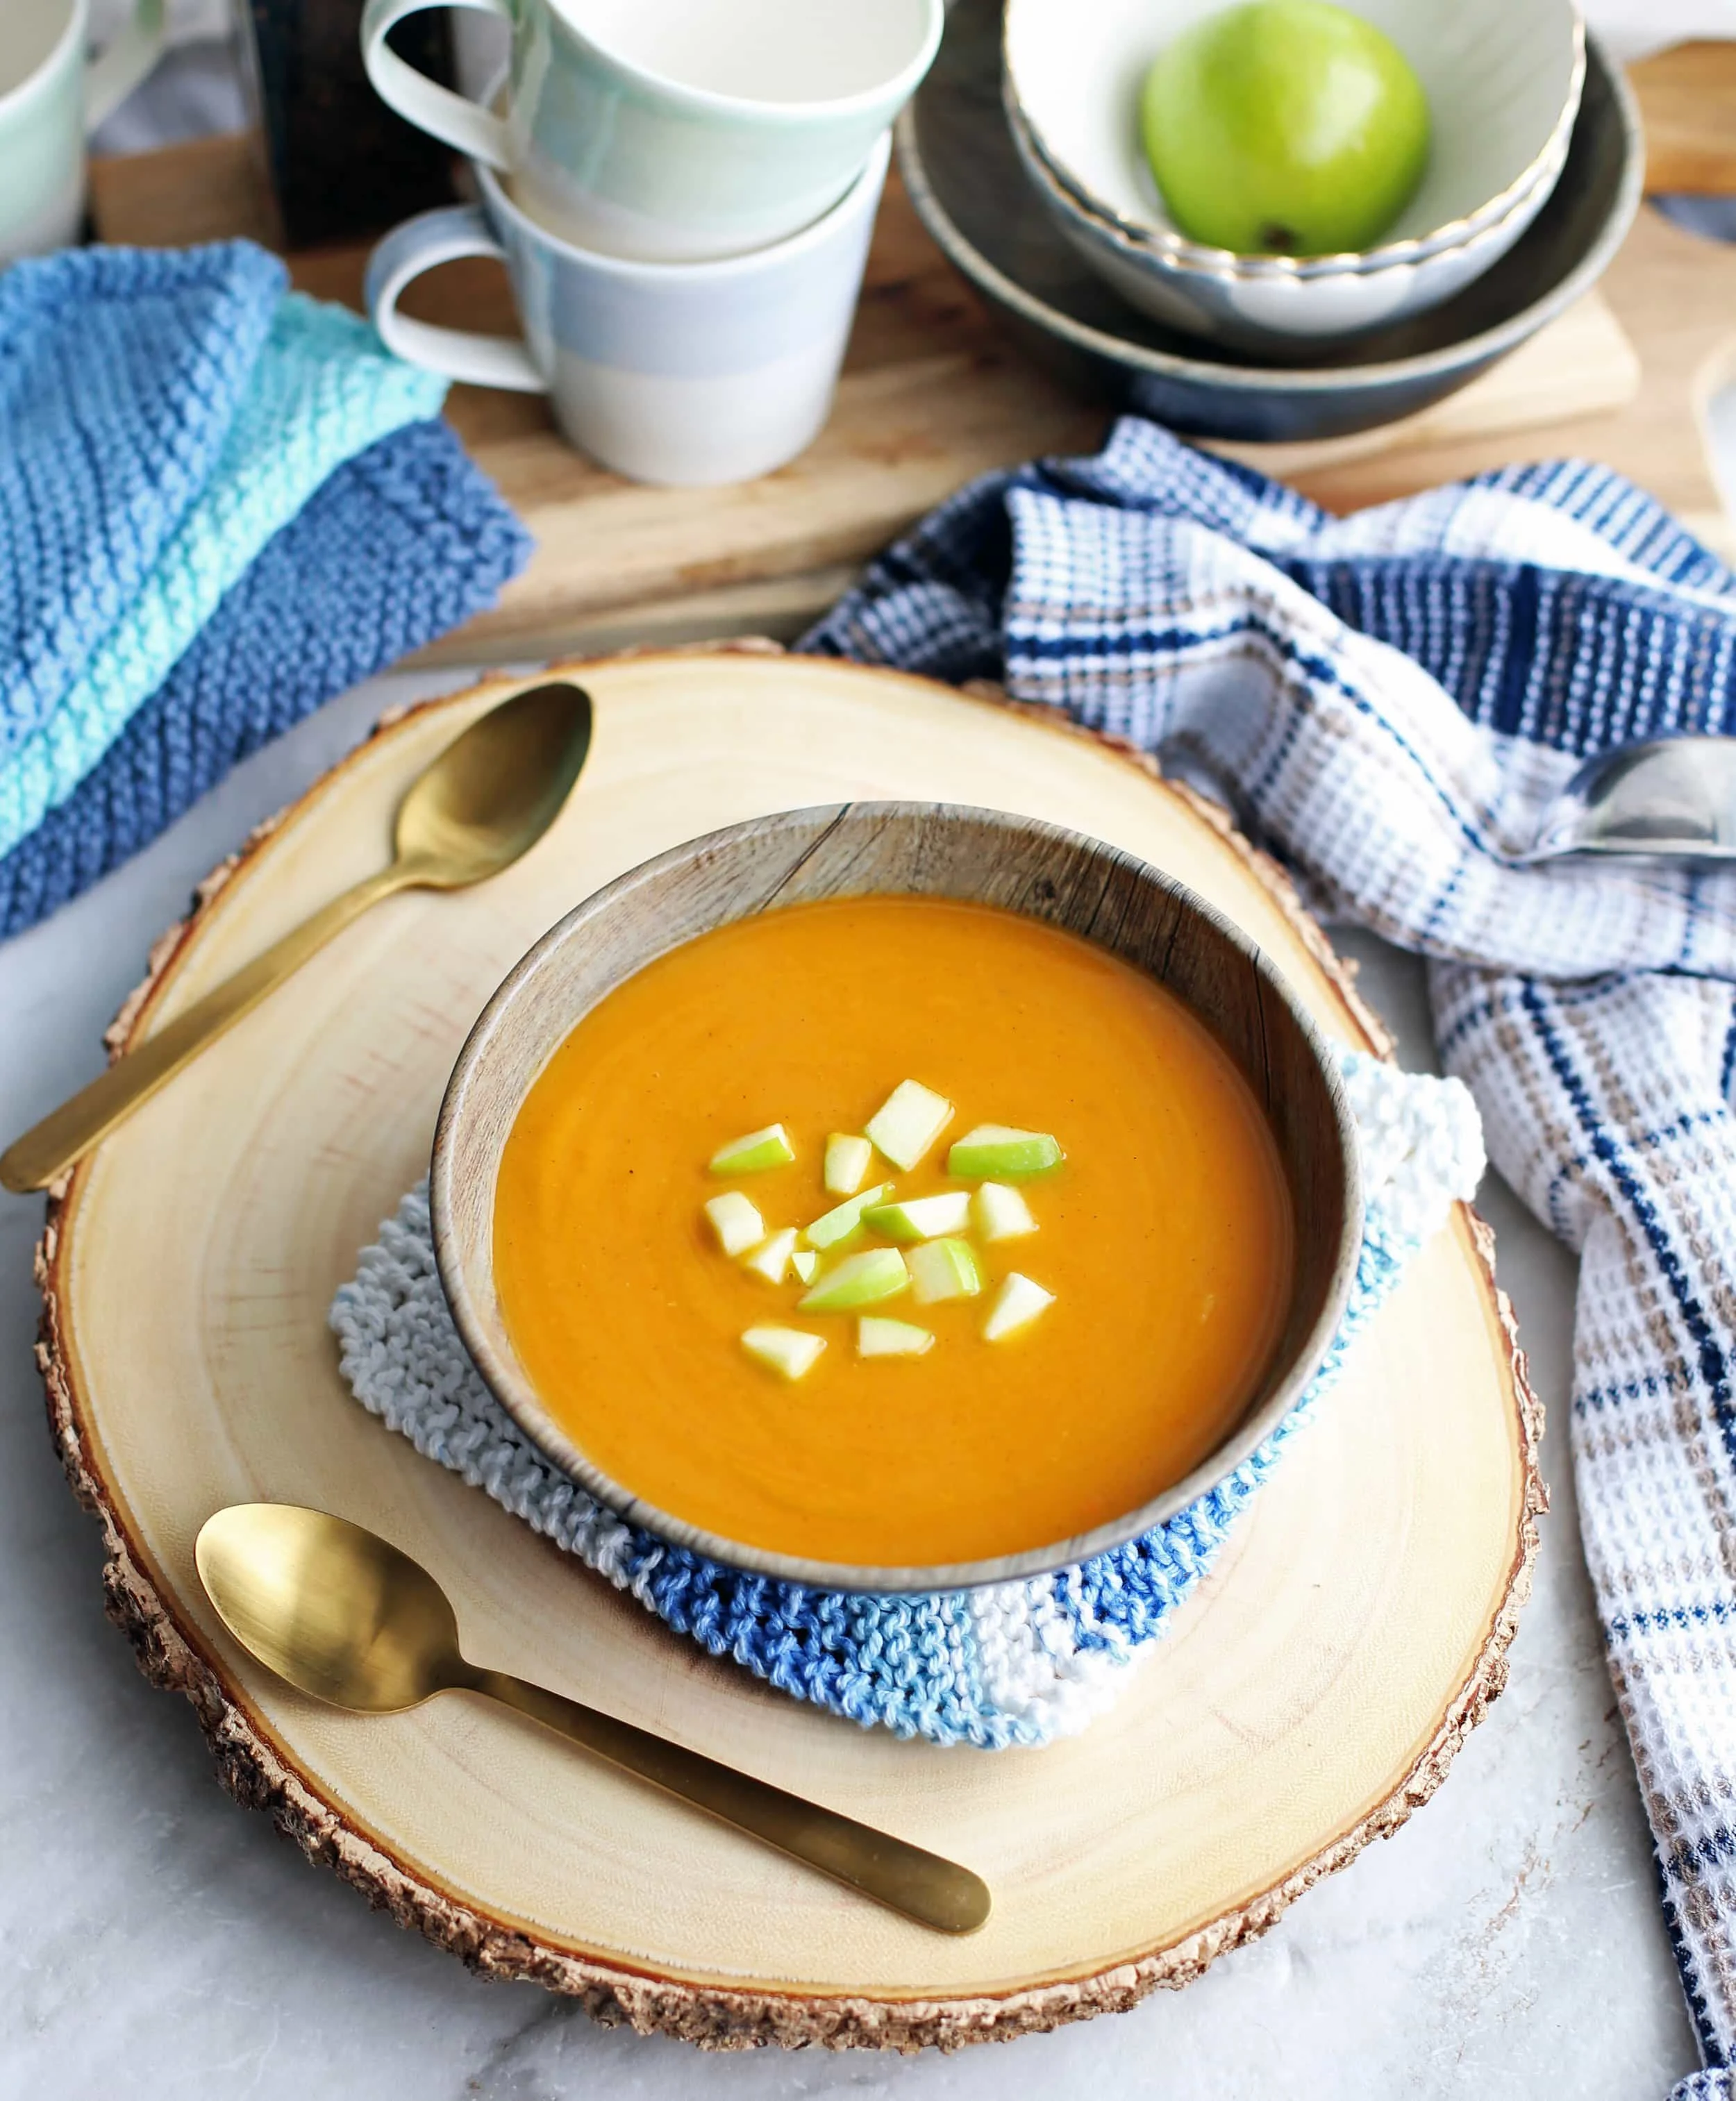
<point x="161" y="1942"/>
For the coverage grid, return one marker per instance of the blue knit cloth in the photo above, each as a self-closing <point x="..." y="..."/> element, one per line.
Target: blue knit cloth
<point x="220" y="504"/>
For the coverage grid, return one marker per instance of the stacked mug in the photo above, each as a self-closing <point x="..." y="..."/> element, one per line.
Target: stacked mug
<point x="682" y="191"/>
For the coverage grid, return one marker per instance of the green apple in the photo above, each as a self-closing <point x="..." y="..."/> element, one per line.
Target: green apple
<point x="788" y="1351"/>
<point x="770" y="1148"/>
<point x="804" y="1262"/>
<point x="846" y="1162"/>
<point x="738" y="1225"/>
<point x="1285" y="128"/>
<point x="908" y="1122"/>
<point x="843" y="1222"/>
<point x="1016" y="1304"/>
<point x="921" y="1217"/>
<point x="997" y="1148"/>
<point x="771" y="1259"/>
<point x="859" y="1280"/>
<point x="944" y="1269"/>
<point x="891" y="1338"/>
<point x="1001" y="1214"/>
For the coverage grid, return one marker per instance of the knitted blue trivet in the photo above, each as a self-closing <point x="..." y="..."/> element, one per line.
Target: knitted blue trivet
<point x="1016" y="1664"/>
<point x="403" y="542"/>
<point x="123" y="574"/>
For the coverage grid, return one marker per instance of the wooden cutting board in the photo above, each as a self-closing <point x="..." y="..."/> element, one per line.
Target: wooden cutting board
<point x="934" y="393"/>
<point x="1309" y="1696"/>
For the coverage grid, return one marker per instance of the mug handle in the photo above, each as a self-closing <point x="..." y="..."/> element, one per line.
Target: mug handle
<point x="431" y="108"/>
<point x="110" y="79"/>
<point x="419" y="245"/>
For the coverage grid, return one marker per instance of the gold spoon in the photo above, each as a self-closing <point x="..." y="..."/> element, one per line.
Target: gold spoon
<point x="346" y="1618"/>
<point x="489" y="797"/>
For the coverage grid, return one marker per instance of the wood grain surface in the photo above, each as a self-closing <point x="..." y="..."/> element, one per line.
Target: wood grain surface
<point x="1310" y="1697"/>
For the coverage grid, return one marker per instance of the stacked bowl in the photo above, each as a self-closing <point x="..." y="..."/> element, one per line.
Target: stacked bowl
<point x="1503" y="84"/>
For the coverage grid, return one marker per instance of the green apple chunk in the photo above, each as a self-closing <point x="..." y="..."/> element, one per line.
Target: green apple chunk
<point x="771" y="1259"/>
<point x="921" y="1217"/>
<point x="738" y="1225"/>
<point x="908" y="1122"/>
<point x="944" y="1269"/>
<point x="1016" y="1304"/>
<point x="859" y="1280"/>
<point x="804" y="1262"/>
<point x="996" y="1149"/>
<point x="844" y="1221"/>
<point x="1001" y="1214"/>
<point x="770" y="1148"/>
<point x="790" y="1352"/>
<point x="846" y="1162"/>
<point x="877" y="1338"/>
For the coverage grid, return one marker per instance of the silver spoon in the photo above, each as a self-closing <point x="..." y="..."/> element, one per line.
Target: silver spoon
<point x="1666" y="798"/>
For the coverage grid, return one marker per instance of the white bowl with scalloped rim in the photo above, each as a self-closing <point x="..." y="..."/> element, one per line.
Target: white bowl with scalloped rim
<point x="1503" y="78"/>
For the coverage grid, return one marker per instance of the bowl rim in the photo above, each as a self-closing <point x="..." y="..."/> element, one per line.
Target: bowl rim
<point x="1222" y="266"/>
<point x="1177" y="248"/>
<point x="516" y="1394"/>
<point x="1260" y="379"/>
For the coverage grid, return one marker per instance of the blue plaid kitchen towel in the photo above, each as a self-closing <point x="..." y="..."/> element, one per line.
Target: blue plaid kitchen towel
<point x="1397" y="695"/>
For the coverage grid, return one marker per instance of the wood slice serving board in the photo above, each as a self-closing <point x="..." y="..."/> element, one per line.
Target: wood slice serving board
<point x="1308" y="1699"/>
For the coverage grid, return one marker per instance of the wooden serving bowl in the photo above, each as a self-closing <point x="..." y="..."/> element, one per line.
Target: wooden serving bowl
<point x="940" y="850"/>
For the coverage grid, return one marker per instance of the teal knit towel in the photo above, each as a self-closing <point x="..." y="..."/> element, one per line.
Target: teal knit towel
<point x="257" y="396"/>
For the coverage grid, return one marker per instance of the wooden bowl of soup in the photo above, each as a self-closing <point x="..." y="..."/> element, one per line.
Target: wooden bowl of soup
<point x="896" y="1197"/>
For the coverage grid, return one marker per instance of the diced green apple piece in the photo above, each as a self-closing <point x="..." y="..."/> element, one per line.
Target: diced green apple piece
<point x="859" y="1280"/>
<point x="921" y="1217"/>
<point x="844" y="1221"/>
<point x="771" y="1259"/>
<point x="738" y="1225"/>
<point x="804" y="1262"/>
<point x="908" y="1122"/>
<point x="1016" y="1304"/>
<point x="770" y="1148"/>
<point x="944" y="1269"/>
<point x="848" y="1160"/>
<point x="995" y="1148"/>
<point x="1001" y="1214"/>
<point x="877" y="1338"/>
<point x="789" y="1351"/>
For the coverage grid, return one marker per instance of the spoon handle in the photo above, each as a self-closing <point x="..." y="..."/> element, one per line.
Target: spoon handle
<point x="922" y="1886"/>
<point x="66" y="1134"/>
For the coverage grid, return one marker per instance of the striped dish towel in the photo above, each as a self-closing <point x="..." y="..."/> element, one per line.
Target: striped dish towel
<point x="1397" y="696"/>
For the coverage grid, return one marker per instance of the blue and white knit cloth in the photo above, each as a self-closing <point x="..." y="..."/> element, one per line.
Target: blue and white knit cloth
<point x="1012" y="1664"/>
<point x="1397" y="695"/>
<point x="220" y="503"/>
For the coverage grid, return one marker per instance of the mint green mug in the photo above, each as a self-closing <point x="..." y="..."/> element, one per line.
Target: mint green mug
<point x="680" y="131"/>
<point x="50" y="99"/>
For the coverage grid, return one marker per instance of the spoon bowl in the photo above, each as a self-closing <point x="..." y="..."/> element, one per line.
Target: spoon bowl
<point x="1670" y="799"/>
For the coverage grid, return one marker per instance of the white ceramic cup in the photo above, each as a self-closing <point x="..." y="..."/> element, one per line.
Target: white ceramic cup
<point x="675" y="131"/>
<point x="50" y="99"/>
<point x="680" y="373"/>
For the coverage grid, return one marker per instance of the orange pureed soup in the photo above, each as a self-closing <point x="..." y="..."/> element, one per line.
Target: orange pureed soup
<point x="1165" y="1236"/>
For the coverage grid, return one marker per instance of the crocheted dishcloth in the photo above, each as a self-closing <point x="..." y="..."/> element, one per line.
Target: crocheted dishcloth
<point x="1397" y="695"/>
<point x="114" y="577"/>
<point x="401" y="543"/>
<point x="1013" y="1664"/>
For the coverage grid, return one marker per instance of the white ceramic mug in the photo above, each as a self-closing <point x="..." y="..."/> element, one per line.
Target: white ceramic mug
<point x="680" y="372"/>
<point x="675" y="131"/>
<point x="50" y="99"/>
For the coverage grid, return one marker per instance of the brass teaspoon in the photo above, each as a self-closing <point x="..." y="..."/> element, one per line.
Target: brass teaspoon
<point x="345" y="1617"/>
<point x="488" y="798"/>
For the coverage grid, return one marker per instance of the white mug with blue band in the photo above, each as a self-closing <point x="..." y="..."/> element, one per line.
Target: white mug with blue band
<point x="680" y="373"/>
<point x="51" y="98"/>
<point x="679" y="132"/>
